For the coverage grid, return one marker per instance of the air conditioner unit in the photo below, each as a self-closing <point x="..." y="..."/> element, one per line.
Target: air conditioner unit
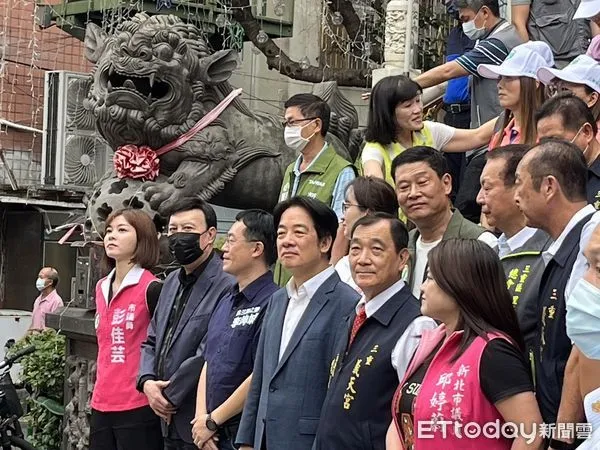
<point x="73" y="152"/>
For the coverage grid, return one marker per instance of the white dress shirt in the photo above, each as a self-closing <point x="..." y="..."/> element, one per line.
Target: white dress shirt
<point x="422" y="249"/>
<point x="579" y="267"/>
<point x="409" y="341"/>
<point x="299" y="300"/>
<point x="509" y="245"/>
<point x="343" y="269"/>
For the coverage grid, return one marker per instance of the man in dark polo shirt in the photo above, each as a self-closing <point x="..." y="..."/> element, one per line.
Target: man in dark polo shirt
<point x="567" y="117"/>
<point x="234" y="330"/>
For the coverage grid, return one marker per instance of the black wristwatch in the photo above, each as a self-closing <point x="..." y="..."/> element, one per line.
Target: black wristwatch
<point x="211" y="425"/>
<point x="561" y="445"/>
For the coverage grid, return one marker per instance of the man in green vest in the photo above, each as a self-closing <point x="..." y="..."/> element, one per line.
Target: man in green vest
<point x="318" y="172"/>
<point x="423" y="185"/>
<point x="519" y="247"/>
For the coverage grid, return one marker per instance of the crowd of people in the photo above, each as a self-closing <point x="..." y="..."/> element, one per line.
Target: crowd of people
<point x="384" y="304"/>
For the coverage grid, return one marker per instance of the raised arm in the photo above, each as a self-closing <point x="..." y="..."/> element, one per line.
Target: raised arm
<point x="439" y="74"/>
<point x="465" y="140"/>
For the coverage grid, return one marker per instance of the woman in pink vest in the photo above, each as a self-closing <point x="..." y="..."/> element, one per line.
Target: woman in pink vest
<point x="469" y="376"/>
<point x="125" y="299"/>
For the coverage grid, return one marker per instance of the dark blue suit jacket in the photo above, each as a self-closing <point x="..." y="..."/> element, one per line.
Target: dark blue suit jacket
<point x="185" y="356"/>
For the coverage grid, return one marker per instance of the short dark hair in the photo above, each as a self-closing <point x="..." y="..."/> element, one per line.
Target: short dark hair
<point x="479" y="275"/>
<point x="312" y="106"/>
<point x="398" y="230"/>
<point x="573" y="112"/>
<point x="260" y="228"/>
<point x="512" y="156"/>
<point x="147" y="250"/>
<point x="476" y="5"/>
<point x="53" y="276"/>
<point x="428" y="155"/>
<point x="191" y="203"/>
<point x="324" y="219"/>
<point x="387" y="94"/>
<point x="374" y="194"/>
<point x="565" y="162"/>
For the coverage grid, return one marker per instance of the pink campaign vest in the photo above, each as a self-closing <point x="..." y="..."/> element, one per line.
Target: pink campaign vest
<point x="451" y="392"/>
<point x="121" y="327"/>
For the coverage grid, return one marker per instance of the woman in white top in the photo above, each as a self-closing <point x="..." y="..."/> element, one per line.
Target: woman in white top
<point x="363" y="195"/>
<point x="395" y="123"/>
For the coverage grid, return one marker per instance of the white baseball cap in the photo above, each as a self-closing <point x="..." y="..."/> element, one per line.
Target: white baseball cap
<point x="582" y="70"/>
<point x="587" y="9"/>
<point x="523" y="61"/>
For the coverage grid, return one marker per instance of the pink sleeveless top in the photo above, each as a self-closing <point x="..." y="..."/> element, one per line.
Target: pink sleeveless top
<point x="121" y="327"/>
<point x="451" y="408"/>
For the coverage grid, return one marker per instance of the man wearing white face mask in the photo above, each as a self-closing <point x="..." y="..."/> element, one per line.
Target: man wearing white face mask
<point x="567" y="117"/>
<point x="583" y="327"/>
<point x="318" y="172"/>
<point x="495" y="38"/>
<point x="48" y="301"/>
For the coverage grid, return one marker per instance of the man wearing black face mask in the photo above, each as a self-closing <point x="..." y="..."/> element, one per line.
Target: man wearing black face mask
<point x="173" y="354"/>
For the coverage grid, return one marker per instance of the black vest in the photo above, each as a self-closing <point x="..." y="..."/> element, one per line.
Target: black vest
<point x="553" y="346"/>
<point x="357" y="410"/>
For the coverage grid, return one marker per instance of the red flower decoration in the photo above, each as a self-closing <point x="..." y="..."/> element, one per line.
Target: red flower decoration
<point x="138" y="163"/>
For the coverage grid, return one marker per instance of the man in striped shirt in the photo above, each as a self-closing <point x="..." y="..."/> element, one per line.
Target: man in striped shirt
<point x="495" y="39"/>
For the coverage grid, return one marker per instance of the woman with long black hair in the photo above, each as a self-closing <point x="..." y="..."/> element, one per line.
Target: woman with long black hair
<point x="471" y="370"/>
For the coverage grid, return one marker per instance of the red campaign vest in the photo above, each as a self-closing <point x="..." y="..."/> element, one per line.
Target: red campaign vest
<point x="451" y="392"/>
<point x="121" y="327"/>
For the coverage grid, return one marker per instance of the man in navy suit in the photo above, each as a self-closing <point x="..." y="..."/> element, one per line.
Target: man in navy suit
<point x="173" y="354"/>
<point x="300" y="329"/>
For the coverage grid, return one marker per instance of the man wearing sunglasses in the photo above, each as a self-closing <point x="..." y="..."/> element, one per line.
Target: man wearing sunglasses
<point x="318" y="172"/>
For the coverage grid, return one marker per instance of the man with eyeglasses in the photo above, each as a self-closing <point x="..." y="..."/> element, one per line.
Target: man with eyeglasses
<point x="318" y="172"/>
<point x="567" y="117"/>
<point x="233" y="331"/>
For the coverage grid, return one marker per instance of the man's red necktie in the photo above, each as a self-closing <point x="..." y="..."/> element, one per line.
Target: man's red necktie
<point x="359" y="320"/>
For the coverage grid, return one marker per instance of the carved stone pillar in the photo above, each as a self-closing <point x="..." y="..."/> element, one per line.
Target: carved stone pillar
<point x="401" y="35"/>
<point x="77" y="324"/>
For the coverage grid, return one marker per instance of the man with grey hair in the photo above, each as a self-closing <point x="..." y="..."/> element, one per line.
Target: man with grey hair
<point x="551" y="193"/>
<point x="48" y="300"/>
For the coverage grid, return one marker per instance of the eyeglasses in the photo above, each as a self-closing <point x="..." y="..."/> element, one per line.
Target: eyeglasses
<point x="231" y="242"/>
<point x="346" y="205"/>
<point x="294" y="122"/>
